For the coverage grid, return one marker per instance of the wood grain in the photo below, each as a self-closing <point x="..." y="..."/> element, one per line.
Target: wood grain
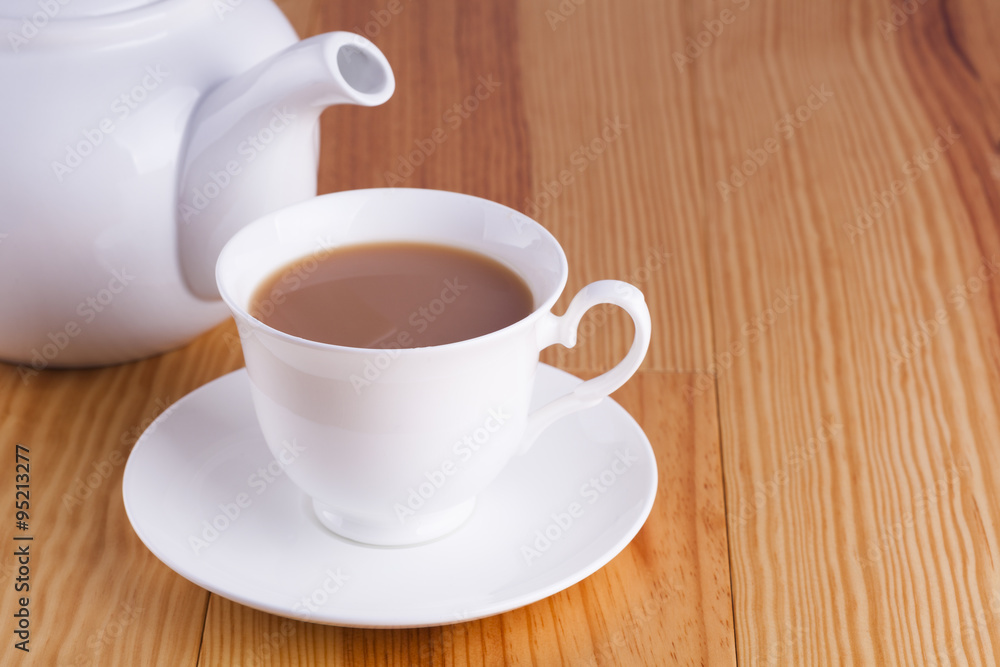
<point x="859" y="425"/>
<point x="97" y="595"/>
<point x="617" y="123"/>
<point x="664" y="600"/>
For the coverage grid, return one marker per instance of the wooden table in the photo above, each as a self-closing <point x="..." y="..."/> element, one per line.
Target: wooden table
<point x="807" y="192"/>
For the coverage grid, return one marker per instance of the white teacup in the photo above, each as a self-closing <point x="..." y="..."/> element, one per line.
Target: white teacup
<point x="393" y="446"/>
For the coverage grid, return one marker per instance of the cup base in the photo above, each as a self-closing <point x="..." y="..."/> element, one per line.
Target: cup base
<point x="417" y="529"/>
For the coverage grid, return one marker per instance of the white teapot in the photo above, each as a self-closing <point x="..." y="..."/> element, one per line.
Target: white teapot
<point x="136" y="137"/>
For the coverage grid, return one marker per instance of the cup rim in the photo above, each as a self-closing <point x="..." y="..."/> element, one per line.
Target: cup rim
<point x="262" y="222"/>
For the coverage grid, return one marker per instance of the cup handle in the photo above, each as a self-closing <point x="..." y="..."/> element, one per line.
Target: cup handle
<point x="553" y="329"/>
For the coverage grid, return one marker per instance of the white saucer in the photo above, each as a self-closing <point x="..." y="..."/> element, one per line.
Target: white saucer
<point x="199" y="460"/>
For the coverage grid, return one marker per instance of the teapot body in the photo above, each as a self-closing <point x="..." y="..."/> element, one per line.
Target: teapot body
<point x="94" y="116"/>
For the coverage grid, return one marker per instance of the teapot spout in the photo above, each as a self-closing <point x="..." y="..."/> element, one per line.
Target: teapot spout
<point x="253" y="142"/>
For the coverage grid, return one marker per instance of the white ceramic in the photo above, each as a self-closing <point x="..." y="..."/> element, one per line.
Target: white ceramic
<point x="196" y="493"/>
<point x="394" y="445"/>
<point x="137" y="136"/>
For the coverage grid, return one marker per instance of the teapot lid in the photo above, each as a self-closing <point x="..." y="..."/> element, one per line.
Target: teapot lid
<point x="67" y="9"/>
